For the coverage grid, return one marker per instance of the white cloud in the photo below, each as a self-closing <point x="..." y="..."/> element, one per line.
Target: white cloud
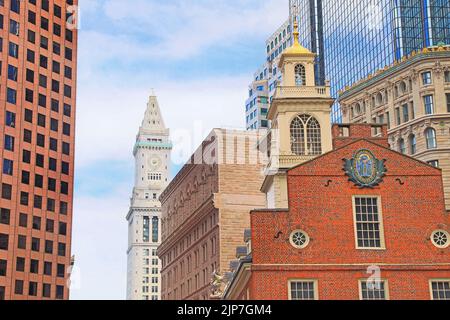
<point x="108" y="115"/>
<point x="183" y="28"/>
<point x="112" y="101"/>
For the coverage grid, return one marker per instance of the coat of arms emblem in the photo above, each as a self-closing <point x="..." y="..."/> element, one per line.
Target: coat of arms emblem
<point x="364" y="169"/>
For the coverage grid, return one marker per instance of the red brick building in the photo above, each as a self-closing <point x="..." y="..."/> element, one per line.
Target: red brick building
<point x="38" y="49"/>
<point x="357" y="227"/>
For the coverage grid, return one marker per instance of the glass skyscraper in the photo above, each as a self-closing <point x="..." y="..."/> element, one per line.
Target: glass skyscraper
<point x="355" y="38"/>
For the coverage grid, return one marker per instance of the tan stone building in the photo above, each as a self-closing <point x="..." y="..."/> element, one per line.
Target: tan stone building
<point x="205" y="211"/>
<point x="413" y="98"/>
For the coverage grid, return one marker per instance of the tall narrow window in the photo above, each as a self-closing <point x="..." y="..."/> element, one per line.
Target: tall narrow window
<point x="155" y="229"/>
<point x="146" y="229"/>
<point x="298" y="137"/>
<point x="405" y="108"/>
<point x="429" y="104"/>
<point x="3" y="268"/>
<point x="426" y="78"/>
<point x="15" y="6"/>
<point x="397" y="116"/>
<point x="376" y="290"/>
<point x="430" y="135"/>
<point x="12" y="73"/>
<point x="412" y="144"/>
<point x="303" y="290"/>
<point x="388" y="119"/>
<point x="368" y="223"/>
<point x="306" y="136"/>
<point x="300" y="75"/>
<point x="401" y="146"/>
<point x="10" y="119"/>
<point x="447" y="76"/>
<point x="448" y="101"/>
<point x="314" y="138"/>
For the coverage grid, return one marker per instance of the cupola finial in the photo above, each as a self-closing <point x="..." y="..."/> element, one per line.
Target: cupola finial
<point x="296" y="33"/>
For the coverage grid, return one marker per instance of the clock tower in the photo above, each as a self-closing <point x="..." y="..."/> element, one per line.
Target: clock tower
<point x="152" y="158"/>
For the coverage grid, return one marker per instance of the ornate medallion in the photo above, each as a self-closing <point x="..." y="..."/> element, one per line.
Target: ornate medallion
<point x="364" y="169"/>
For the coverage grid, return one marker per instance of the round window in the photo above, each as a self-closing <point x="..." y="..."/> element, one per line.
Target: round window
<point x="299" y="239"/>
<point x="441" y="239"/>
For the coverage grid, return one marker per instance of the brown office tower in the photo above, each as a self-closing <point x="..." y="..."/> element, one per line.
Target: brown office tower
<point x="38" y="43"/>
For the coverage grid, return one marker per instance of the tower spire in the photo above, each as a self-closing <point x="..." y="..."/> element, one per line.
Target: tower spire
<point x="153" y="121"/>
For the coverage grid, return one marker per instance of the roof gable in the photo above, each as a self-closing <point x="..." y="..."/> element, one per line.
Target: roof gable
<point x="332" y="163"/>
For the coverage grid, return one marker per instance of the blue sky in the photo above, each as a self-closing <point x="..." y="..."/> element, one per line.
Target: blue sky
<point x="199" y="56"/>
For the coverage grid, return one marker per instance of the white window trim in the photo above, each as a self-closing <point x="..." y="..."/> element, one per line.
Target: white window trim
<point x="430" y="282"/>
<point x="380" y="214"/>
<point x="316" y="287"/>
<point x="308" y="239"/>
<point x="386" y="288"/>
<point x="435" y="244"/>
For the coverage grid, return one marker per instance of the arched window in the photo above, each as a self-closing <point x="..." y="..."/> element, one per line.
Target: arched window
<point x="401" y="146"/>
<point x="412" y="144"/>
<point x="300" y="75"/>
<point x="403" y="87"/>
<point x="314" y="137"/>
<point x="306" y="136"/>
<point x="298" y="137"/>
<point x="379" y="99"/>
<point x="430" y="135"/>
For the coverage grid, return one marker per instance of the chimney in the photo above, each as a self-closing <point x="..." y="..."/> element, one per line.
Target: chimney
<point x="344" y="134"/>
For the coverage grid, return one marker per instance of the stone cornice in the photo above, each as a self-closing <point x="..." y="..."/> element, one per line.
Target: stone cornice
<point x="285" y="105"/>
<point x="189" y="166"/>
<point x="152" y="145"/>
<point x="142" y="209"/>
<point x="390" y="71"/>
<point x="417" y="121"/>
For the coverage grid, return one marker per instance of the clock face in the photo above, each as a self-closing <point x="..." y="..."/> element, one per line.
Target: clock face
<point x="154" y="162"/>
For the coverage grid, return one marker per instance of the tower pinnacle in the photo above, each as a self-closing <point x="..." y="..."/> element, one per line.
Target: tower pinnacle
<point x="153" y="121"/>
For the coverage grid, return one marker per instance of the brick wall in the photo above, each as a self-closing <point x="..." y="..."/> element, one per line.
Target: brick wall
<point x="320" y="203"/>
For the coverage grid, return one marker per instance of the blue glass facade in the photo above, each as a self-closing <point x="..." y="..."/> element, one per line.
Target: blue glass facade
<point x="355" y="38"/>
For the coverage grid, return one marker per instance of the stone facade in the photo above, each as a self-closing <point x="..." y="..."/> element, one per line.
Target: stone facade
<point x="205" y="211"/>
<point x="412" y="97"/>
<point x="152" y="161"/>
<point x="331" y="262"/>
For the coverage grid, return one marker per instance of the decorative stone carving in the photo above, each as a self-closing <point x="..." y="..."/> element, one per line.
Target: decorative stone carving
<point x="438" y="69"/>
<point x="217" y="285"/>
<point x="414" y="74"/>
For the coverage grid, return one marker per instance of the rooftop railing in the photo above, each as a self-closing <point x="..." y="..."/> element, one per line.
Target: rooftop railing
<point x="302" y="91"/>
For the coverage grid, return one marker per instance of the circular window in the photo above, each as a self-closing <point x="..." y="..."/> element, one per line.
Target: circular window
<point x="440" y="239"/>
<point x="299" y="239"/>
